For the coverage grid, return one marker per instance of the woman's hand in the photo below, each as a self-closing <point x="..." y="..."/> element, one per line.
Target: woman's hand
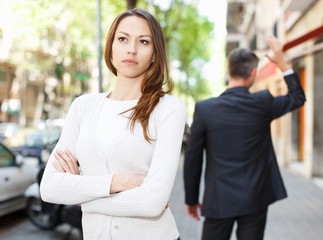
<point x="66" y="162"/>
<point x="123" y="182"/>
<point x="120" y="182"/>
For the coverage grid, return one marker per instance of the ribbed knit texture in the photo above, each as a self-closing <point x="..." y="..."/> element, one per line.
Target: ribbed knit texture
<point x="139" y="213"/>
<point x="111" y="123"/>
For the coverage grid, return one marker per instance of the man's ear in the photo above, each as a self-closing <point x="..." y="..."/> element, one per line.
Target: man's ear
<point x="227" y="72"/>
<point x="253" y="73"/>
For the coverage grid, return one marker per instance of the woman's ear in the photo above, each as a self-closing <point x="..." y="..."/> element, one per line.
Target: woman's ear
<point x="153" y="58"/>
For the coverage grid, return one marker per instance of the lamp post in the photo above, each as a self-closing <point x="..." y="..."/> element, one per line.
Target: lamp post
<point x="99" y="48"/>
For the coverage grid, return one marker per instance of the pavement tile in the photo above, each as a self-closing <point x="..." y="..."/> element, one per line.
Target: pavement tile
<point x="298" y="217"/>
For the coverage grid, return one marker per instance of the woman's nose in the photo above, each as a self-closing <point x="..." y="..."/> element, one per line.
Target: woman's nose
<point x="132" y="48"/>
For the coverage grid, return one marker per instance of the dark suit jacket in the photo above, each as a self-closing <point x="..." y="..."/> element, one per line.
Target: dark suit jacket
<point x="242" y="174"/>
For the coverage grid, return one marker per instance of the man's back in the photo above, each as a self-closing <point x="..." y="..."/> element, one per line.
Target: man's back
<point x="239" y="153"/>
<point x="241" y="176"/>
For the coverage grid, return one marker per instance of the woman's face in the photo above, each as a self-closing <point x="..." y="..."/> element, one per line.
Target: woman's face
<point x="132" y="47"/>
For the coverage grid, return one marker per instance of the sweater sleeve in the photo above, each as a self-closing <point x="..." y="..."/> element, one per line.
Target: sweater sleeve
<point x="65" y="188"/>
<point x="151" y="198"/>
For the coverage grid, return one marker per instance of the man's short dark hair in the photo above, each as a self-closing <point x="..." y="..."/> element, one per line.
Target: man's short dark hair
<point x="241" y="61"/>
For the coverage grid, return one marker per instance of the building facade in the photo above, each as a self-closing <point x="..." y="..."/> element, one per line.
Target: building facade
<point x="298" y="136"/>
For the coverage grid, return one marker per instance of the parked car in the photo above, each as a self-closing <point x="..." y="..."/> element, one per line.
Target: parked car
<point x="20" y="137"/>
<point x="16" y="174"/>
<point x="38" y="144"/>
<point x="7" y="130"/>
<point x="47" y="216"/>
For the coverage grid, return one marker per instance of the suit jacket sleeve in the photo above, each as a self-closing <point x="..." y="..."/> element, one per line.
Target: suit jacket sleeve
<point x="194" y="158"/>
<point x="294" y="99"/>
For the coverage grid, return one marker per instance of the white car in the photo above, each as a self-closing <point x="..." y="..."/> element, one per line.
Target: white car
<point x="16" y="175"/>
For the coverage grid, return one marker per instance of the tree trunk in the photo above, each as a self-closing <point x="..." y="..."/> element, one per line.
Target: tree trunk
<point x="131" y="4"/>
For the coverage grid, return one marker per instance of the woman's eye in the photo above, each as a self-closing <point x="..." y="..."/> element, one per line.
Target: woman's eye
<point x="145" y="42"/>
<point x="122" y="39"/>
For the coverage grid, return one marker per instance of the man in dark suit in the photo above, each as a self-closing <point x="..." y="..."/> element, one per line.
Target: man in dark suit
<point x="241" y="176"/>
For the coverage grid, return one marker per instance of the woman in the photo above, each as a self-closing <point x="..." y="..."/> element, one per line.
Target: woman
<point x="127" y="141"/>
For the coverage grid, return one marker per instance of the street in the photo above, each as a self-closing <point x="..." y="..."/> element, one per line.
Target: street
<point x="298" y="217"/>
<point x="16" y="227"/>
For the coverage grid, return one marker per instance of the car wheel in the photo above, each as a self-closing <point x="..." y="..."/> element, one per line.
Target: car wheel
<point x="43" y="220"/>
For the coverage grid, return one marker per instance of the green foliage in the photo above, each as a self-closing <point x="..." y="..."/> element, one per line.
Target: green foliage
<point x="82" y="77"/>
<point x="188" y="38"/>
<point x="191" y="47"/>
<point x="59" y="37"/>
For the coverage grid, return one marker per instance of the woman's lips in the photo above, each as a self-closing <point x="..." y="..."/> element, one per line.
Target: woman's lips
<point x="130" y="62"/>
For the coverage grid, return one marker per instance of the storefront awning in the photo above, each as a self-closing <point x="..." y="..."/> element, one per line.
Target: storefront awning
<point x="312" y="34"/>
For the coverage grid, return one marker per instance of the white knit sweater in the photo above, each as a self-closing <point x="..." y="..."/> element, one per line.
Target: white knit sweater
<point x="139" y="213"/>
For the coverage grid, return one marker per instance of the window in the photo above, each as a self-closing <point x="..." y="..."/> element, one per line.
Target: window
<point x="6" y="158"/>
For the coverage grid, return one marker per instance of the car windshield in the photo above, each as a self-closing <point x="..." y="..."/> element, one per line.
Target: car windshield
<point x="32" y="137"/>
<point x="19" y="138"/>
<point x="42" y="138"/>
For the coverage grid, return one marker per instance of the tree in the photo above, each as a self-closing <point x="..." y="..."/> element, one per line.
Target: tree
<point x="131" y="4"/>
<point x="188" y="38"/>
<point x="60" y="43"/>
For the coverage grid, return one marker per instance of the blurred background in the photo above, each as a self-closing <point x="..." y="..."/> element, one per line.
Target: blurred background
<point x="51" y="52"/>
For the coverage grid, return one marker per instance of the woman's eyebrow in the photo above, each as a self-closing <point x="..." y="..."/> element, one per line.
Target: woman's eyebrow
<point x="143" y="35"/>
<point x="124" y="33"/>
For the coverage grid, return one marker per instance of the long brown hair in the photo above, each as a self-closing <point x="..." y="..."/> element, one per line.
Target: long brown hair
<point x="156" y="75"/>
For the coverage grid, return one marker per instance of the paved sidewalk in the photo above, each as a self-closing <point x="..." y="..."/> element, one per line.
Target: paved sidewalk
<point x="299" y="217"/>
